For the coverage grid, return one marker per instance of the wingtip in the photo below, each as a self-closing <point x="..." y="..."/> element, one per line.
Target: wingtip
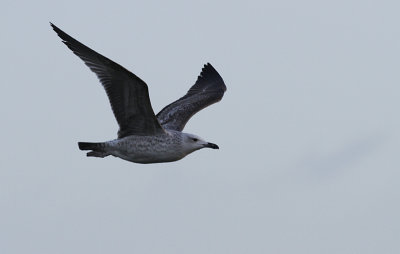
<point x="65" y="38"/>
<point x="207" y="65"/>
<point x="55" y="28"/>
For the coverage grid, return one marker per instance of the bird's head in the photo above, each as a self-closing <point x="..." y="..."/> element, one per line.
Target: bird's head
<point x="192" y="143"/>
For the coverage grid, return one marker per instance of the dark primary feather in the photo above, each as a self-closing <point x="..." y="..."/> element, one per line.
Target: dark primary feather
<point x="208" y="89"/>
<point x="128" y="94"/>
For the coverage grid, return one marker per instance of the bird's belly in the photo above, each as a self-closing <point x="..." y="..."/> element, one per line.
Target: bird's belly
<point x="148" y="157"/>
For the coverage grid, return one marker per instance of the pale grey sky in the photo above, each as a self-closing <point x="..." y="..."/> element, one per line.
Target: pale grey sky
<point x="308" y="129"/>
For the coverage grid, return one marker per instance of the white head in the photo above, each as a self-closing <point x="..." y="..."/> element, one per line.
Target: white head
<point x="192" y="143"/>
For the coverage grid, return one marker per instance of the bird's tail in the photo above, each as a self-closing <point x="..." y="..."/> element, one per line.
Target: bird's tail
<point x="98" y="149"/>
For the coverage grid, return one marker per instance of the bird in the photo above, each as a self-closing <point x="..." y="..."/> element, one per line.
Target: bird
<point x="144" y="137"/>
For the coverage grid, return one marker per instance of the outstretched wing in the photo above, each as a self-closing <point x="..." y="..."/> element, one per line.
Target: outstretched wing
<point x="208" y="89"/>
<point x="128" y="94"/>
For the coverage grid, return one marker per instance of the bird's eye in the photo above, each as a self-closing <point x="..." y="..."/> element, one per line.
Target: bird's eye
<point x="195" y="139"/>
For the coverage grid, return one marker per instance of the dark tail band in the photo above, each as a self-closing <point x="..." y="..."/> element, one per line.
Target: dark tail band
<point x="90" y="146"/>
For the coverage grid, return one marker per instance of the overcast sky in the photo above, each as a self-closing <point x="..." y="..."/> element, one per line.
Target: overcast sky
<point x="308" y="129"/>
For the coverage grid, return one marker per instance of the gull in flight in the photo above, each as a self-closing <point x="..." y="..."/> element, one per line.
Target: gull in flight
<point x="144" y="137"/>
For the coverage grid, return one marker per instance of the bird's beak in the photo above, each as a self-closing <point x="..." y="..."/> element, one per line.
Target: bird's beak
<point x="211" y="145"/>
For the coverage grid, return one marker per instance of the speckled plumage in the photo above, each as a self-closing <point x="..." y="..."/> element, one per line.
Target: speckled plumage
<point x="148" y="149"/>
<point x="144" y="137"/>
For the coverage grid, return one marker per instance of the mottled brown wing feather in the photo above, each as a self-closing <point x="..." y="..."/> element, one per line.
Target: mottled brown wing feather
<point x="208" y="89"/>
<point x="127" y="93"/>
